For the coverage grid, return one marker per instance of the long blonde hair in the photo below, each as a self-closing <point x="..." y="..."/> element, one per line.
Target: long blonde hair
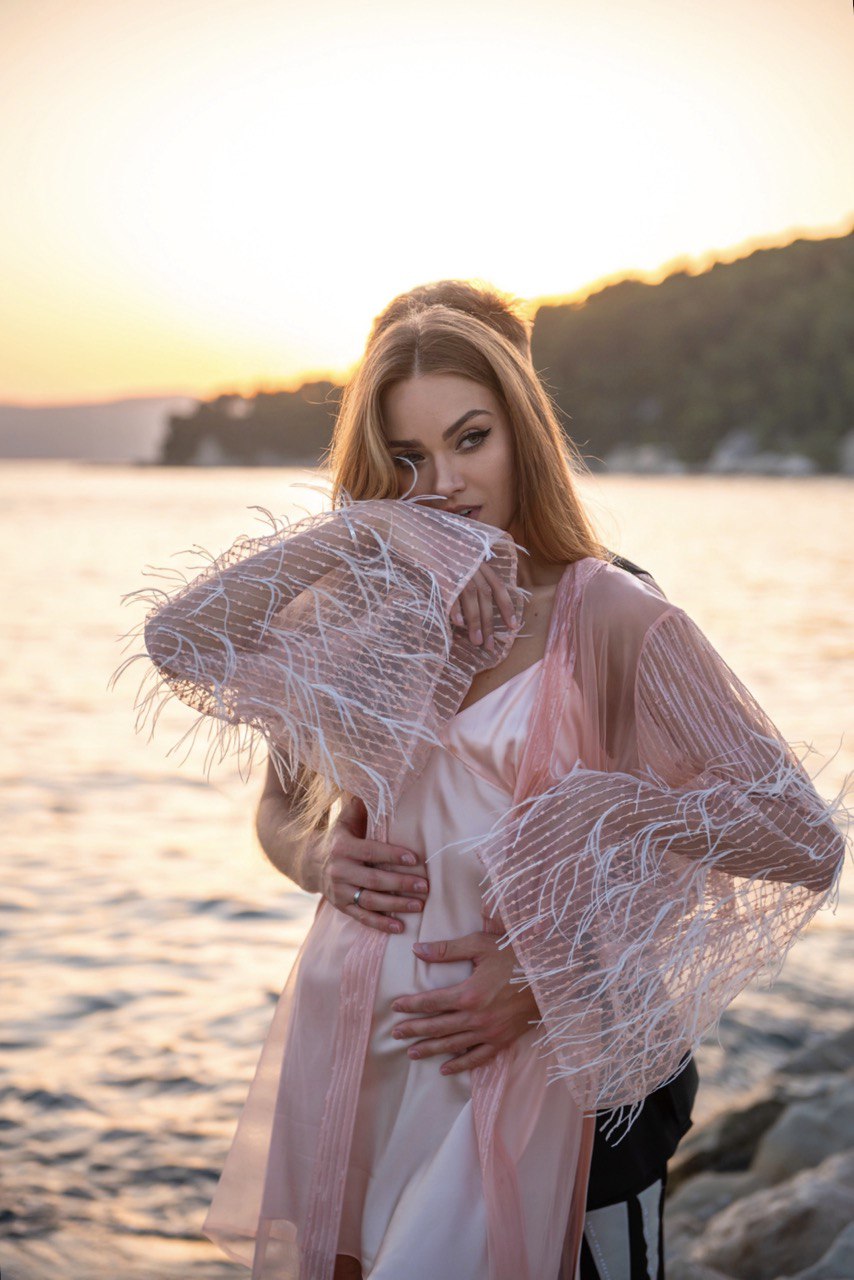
<point x="551" y="520"/>
<point x="454" y="328"/>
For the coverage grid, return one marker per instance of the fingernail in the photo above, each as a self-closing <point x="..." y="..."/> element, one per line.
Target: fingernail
<point x="420" y="884"/>
<point x="409" y="859"/>
<point x="413" y="906"/>
<point x="478" y="637"/>
<point x="514" y="621"/>
<point x="421" y="948"/>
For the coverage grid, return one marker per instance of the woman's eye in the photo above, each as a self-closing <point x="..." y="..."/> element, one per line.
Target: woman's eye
<point x="469" y="441"/>
<point x="476" y="438"/>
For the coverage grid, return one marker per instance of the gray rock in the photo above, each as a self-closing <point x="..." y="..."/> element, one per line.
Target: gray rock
<point x="688" y="1212"/>
<point x="736" y="448"/>
<point x="782" y="1230"/>
<point x="645" y="459"/>
<point x="681" y="1269"/>
<point x="846" y="454"/>
<point x="727" y="1141"/>
<point x="833" y="1053"/>
<point x="700" y="1198"/>
<point x="837" y="1263"/>
<point x="805" y="1134"/>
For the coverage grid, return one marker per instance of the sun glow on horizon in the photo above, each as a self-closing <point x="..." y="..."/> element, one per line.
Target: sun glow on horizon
<point x="228" y="203"/>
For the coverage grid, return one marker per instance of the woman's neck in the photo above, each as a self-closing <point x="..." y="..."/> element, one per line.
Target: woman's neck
<point x="534" y="574"/>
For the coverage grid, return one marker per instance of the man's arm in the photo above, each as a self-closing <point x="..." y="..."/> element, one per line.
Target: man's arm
<point x="291" y="850"/>
<point x="335" y="860"/>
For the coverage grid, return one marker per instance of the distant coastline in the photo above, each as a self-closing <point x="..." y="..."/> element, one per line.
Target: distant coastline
<point x="744" y="368"/>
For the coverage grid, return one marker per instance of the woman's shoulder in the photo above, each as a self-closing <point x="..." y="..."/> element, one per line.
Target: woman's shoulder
<point x="607" y="597"/>
<point x="600" y="579"/>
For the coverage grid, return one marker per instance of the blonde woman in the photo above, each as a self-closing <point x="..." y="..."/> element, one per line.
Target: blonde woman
<point x="627" y="1177"/>
<point x="551" y="833"/>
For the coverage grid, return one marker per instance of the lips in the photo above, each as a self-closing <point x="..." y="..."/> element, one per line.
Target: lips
<point x="471" y="513"/>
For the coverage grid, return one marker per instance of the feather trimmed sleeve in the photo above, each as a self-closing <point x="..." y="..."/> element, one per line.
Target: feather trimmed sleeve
<point x="328" y="640"/>
<point x="680" y="859"/>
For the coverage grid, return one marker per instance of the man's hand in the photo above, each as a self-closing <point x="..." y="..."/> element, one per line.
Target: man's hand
<point x="473" y="1019"/>
<point x="392" y="877"/>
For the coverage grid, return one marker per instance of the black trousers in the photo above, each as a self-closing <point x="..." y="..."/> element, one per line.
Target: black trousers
<point x="623" y="1222"/>
<point x="625" y="1240"/>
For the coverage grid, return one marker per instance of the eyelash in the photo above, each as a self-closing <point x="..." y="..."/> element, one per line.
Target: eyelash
<point x="477" y="436"/>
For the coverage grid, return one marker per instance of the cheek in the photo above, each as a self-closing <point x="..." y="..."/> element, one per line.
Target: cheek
<point x="408" y="480"/>
<point x="502" y="470"/>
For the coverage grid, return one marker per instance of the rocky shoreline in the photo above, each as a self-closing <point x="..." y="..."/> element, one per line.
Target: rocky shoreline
<point x="764" y="1190"/>
<point x="761" y="1190"/>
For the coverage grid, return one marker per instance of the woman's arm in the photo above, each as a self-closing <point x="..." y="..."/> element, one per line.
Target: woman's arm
<point x="232" y="606"/>
<point x="331" y="641"/>
<point x="292" y="850"/>
<point x="739" y="797"/>
<point x="640" y="901"/>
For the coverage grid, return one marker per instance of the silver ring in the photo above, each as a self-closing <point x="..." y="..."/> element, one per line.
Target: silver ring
<point x="356" y="896"/>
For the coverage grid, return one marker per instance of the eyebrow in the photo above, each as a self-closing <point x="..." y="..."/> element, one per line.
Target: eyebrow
<point x="446" y="434"/>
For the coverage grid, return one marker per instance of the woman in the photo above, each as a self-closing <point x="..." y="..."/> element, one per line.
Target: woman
<point x="625" y="1189"/>
<point x="648" y="840"/>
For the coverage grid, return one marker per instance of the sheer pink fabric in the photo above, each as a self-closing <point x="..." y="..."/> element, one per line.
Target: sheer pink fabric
<point x="640" y="891"/>
<point x="678" y="860"/>
<point x="328" y="640"/>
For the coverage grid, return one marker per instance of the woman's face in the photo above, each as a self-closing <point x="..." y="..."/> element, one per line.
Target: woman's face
<point x="456" y="435"/>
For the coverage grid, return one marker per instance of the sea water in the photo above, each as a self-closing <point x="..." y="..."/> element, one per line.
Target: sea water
<point x="145" y="936"/>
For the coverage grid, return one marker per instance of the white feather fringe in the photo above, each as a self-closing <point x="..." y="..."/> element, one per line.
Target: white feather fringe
<point x="639" y="908"/>
<point x="327" y="640"/>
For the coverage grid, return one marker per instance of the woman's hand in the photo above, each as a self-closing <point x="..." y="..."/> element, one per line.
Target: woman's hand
<point x="473" y="608"/>
<point x="473" y="1019"/>
<point x="393" y="878"/>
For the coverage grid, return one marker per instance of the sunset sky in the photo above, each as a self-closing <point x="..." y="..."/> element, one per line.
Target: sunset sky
<point x="210" y="195"/>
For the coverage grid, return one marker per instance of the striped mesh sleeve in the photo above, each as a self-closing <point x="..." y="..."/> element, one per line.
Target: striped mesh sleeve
<point x="328" y="640"/>
<point x="639" y="903"/>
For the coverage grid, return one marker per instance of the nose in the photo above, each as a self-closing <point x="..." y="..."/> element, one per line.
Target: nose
<point x="447" y="478"/>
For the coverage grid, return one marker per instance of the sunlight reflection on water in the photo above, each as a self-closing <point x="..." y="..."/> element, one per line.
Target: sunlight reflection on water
<point x="146" y="938"/>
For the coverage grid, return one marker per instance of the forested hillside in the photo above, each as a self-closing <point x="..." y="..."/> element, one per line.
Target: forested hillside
<point x="265" y="429"/>
<point x="764" y="344"/>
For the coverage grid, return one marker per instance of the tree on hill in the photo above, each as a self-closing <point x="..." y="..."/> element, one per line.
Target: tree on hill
<point x="268" y="428"/>
<point x="766" y="343"/>
<point x="763" y="345"/>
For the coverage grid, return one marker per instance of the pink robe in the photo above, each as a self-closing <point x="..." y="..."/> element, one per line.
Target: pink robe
<point x="655" y="845"/>
<point x="414" y="1159"/>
